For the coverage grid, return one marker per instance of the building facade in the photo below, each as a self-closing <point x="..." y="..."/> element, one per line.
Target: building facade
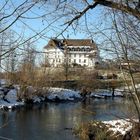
<point x="73" y="52"/>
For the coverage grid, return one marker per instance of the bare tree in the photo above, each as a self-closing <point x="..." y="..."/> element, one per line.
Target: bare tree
<point x="27" y="67"/>
<point x="128" y="45"/>
<point x="123" y="34"/>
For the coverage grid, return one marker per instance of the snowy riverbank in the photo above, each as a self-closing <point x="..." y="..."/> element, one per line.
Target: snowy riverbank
<point x="9" y="97"/>
<point x="119" y="126"/>
<point x="121" y="129"/>
<point x="11" y="101"/>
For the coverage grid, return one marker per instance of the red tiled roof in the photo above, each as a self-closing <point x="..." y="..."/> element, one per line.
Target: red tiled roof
<point x="71" y="42"/>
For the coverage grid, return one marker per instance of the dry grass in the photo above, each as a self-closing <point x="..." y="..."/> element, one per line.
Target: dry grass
<point x="96" y="130"/>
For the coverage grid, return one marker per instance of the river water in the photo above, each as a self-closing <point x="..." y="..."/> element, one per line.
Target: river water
<point x="53" y="121"/>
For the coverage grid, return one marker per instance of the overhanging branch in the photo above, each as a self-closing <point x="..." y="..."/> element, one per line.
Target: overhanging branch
<point x="119" y="6"/>
<point x="82" y="13"/>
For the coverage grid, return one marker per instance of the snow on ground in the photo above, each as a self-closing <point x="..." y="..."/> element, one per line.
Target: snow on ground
<point x="12" y="96"/>
<point x="36" y="99"/>
<point x="121" y="125"/>
<point x="106" y="93"/>
<point x="9" y="105"/>
<point x="10" y="99"/>
<point x="53" y="94"/>
<point x="62" y="94"/>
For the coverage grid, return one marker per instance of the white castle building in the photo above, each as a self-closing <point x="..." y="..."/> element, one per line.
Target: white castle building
<point x="74" y="52"/>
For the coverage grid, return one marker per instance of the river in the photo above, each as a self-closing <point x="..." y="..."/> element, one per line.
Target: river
<point x="53" y="121"/>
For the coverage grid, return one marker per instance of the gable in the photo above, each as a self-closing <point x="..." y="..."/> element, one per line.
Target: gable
<point x="70" y="42"/>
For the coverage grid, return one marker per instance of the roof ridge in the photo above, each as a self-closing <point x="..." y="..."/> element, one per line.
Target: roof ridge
<point x="71" y="42"/>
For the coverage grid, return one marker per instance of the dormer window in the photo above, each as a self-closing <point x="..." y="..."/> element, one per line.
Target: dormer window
<point x="83" y="49"/>
<point x="76" y="49"/>
<point x="87" y="49"/>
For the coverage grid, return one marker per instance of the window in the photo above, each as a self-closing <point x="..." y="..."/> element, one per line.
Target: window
<point x="87" y="49"/>
<point x="74" y="60"/>
<point x="84" y="60"/>
<point x="76" y="49"/>
<point x="72" y="49"/>
<point x="74" y="55"/>
<point x="79" y="55"/>
<point x="69" y="60"/>
<point x="83" y="49"/>
<point x="79" y="60"/>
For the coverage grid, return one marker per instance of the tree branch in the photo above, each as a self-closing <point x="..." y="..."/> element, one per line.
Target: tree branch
<point x="119" y="6"/>
<point x="82" y="13"/>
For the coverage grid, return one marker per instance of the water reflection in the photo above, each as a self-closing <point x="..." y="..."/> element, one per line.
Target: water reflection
<point x="52" y="121"/>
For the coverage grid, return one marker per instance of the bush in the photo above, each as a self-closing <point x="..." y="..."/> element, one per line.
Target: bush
<point x="96" y="130"/>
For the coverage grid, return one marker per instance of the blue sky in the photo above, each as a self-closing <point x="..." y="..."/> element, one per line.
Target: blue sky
<point x="30" y="27"/>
